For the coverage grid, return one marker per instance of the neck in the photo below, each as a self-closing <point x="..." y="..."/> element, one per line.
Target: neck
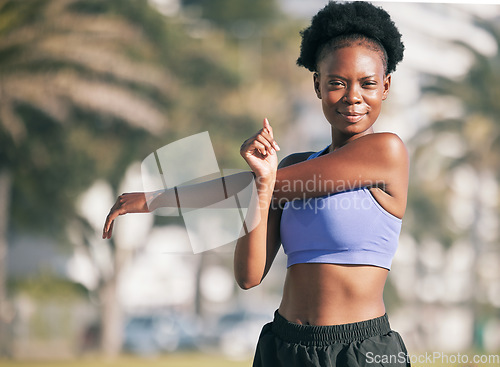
<point x="339" y="139"/>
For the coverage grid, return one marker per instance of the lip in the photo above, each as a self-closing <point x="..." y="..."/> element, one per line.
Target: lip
<point x="352" y="117"/>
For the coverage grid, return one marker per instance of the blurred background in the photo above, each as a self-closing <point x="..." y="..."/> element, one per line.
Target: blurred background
<point x="89" y="88"/>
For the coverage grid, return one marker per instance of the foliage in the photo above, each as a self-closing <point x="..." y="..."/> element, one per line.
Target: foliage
<point x="48" y="287"/>
<point x="75" y="85"/>
<point x="89" y="86"/>
<point x="475" y="131"/>
<point x="454" y="199"/>
<point x="230" y="14"/>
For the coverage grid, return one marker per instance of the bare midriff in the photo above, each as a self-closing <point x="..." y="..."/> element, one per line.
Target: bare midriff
<point x="331" y="294"/>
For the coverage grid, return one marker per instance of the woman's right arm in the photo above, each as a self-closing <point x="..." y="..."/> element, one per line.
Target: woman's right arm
<point x="198" y="195"/>
<point x="257" y="248"/>
<point x="256" y="251"/>
<point x="257" y="151"/>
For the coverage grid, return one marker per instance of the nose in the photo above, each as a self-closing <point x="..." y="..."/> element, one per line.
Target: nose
<point x="352" y="95"/>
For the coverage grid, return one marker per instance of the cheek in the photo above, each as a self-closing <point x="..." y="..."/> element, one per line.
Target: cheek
<point x="374" y="98"/>
<point x="333" y="97"/>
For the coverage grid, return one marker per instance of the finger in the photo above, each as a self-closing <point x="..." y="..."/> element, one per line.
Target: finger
<point x="247" y="143"/>
<point x="259" y="142"/>
<point x="267" y="126"/>
<point x="107" y="225"/>
<point x="266" y="142"/>
<point x="269" y="137"/>
<point x="110" y="218"/>
<point x="110" y="231"/>
<point x="105" y="230"/>
<point x="259" y="147"/>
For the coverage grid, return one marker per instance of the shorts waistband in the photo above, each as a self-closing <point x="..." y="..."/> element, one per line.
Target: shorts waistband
<point x="320" y="335"/>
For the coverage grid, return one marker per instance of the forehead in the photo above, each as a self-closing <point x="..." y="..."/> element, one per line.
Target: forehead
<point x="353" y="59"/>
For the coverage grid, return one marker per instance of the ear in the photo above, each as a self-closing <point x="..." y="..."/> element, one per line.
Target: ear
<point x="316" y="85"/>
<point x="387" y="86"/>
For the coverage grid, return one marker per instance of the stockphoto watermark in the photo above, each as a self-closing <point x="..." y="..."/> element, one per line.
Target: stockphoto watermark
<point x="433" y="358"/>
<point x="218" y="206"/>
<point x="341" y="201"/>
<point x="317" y="183"/>
<point x="306" y="194"/>
<point x="183" y="179"/>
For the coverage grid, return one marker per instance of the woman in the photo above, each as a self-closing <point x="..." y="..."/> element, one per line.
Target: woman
<point x="341" y="243"/>
<point x="337" y="212"/>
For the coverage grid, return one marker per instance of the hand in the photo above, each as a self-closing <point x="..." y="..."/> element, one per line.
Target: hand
<point x="259" y="151"/>
<point x="126" y="203"/>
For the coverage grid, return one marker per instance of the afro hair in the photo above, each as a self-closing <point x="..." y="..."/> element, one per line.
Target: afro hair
<point x="343" y="20"/>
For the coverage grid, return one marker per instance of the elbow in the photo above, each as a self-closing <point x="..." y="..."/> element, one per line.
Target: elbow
<point x="247" y="274"/>
<point x="247" y="283"/>
<point x="247" y="286"/>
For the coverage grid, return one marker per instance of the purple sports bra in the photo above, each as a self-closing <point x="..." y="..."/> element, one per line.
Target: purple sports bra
<point x="348" y="227"/>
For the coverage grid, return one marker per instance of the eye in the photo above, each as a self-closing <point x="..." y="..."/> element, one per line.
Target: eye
<point x="336" y="83"/>
<point x="370" y="83"/>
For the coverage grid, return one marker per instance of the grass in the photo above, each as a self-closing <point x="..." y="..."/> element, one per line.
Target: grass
<point x="170" y="360"/>
<point x="181" y="360"/>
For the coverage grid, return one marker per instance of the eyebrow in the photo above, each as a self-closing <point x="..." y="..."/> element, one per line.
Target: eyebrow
<point x="340" y="77"/>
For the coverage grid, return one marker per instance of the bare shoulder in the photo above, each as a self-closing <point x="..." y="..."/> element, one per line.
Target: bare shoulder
<point x="393" y="155"/>
<point x="392" y="142"/>
<point x="389" y="141"/>
<point x="387" y="146"/>
<point x="294" y="158"/>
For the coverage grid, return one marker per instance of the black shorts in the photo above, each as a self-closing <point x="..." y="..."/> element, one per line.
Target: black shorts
<point x="369" y="343"/>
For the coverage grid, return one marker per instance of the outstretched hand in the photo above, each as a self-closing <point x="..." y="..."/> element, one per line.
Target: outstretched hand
<point x="126" y="203"/>
<point x="259" y="151"/>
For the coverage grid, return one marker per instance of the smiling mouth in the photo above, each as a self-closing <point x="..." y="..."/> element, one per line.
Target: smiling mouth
<point x="352" y="118"/>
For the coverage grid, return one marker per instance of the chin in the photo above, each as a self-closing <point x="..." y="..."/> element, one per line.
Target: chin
<point x="357" y="129"/>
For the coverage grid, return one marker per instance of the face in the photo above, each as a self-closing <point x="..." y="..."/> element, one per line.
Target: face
<point x="351" y="84"/>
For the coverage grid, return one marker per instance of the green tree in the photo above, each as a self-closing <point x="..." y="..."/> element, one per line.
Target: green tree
<point x="81" y="92"/>
<point x="86" y="87"/>
<point x="231" y="14"/>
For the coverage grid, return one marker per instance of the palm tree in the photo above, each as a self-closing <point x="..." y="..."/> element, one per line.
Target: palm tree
<point x="76" y="79"/>
<point x="86" y="87"/>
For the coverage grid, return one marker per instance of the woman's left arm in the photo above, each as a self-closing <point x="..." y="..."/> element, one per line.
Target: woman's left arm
<point x="374" y="160"/>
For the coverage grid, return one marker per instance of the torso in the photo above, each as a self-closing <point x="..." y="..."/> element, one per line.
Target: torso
<point x="332" y="294"/>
